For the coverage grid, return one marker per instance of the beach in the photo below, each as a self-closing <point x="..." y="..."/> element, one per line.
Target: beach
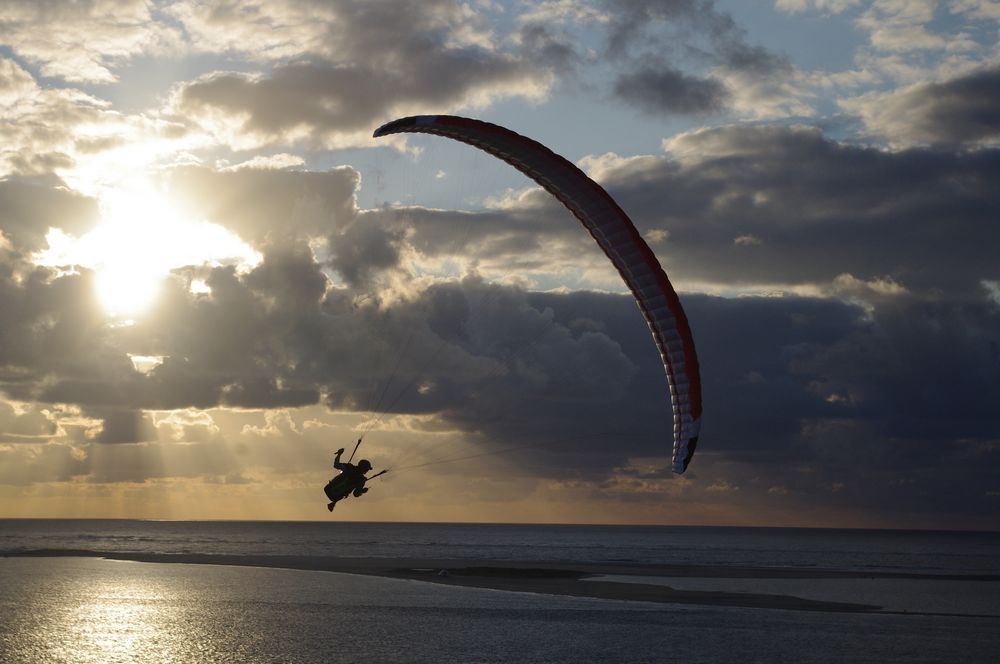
<point x="93" y="609"/>
<point x="142" y="591"/>
<point x="593" y="580"/>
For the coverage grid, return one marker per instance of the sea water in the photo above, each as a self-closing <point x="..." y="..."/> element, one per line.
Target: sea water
<point x="75" y="609"/>
<point x="843" y="549"/>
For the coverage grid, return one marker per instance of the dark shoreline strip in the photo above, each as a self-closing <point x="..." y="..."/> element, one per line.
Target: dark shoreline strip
<point x="630" y="592"/>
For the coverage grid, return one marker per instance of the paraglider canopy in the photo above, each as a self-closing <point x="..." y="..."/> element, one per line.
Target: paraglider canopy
<point x="617" y="237"/>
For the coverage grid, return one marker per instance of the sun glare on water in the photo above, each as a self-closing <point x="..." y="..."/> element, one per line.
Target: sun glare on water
<point x="141" y="238"/>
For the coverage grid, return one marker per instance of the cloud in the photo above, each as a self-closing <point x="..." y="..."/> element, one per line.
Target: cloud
<point x="541" y="43"/>
<point x="901" y="26"/>
<point x="782" y="423"/>
<point x="335" y="30"/>
<point x="76" y="138"/>
<point x="768" y="95"/>
<point x="83" y="41"/>
<point x="667" y="90"/>
<point x="20" y="423"/>
<point x="372" y="62"/>
<point x="747" y="240"/>
<point x="876" y="369"/>
<point x="266" y="205"/>
<point x="985" y="9"/>
<point x="472" y="355"/>
<point x="527" y="236"/>
<point x="46" y="126"/>
<point x="31" y="206"/>
<point x="279" y="336"/>
<point x="45" y="322"/>
<point x="273" y="162"/>
<point x="843" y="395"/>
<point x="961" y="111"/>
<point x="832" y="6"/>
<point x="627" y="21"/>
<point x="675" y="71"/>
<point x="797" y="389"/>
<point x="329" y="105"/>
<point x="21" y="465"/>
<point x="363" y="249"/>
<point x="276" y="30"/>
<point x="824" y="207"/>
<point x="125" y="426"/>
<point x="563" y="11"/>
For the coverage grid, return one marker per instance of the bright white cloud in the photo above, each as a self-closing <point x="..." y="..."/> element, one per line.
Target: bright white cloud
<point x="901" y="26"/>
<point x="268" y="163"/>
<point x="83" y="41"/>
<point x="561" y="11"/>
<point x="781" y="94"/>
<point x="985" y="9"/>
<point x="832" y="6"/>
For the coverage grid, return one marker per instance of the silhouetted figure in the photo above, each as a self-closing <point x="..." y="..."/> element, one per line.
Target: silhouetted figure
<point x="351" y="480"/>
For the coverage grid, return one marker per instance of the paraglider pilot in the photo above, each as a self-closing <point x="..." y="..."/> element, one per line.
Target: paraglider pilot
<point x="351" y="480"/>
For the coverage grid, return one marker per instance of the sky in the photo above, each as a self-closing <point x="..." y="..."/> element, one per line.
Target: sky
<point x="212" y="276"/>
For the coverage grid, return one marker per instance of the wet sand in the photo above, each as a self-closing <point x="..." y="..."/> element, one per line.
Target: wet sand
<point x="570" y="579"/>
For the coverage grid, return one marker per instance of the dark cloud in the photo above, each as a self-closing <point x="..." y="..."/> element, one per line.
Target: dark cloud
<point x="631" y="19"/>
<point x="50" y="324"/>
<point x="265" y="206"/>
<point x="376" y="61"/>
<point x="21" y="465"/>
<point x="806" y="394"/>
<point x="880" y="410"/>
<point x="825" y="400"/>
<point x="30" y="206"/>
<point x="667" y="90"/>
<point x="772" y="207"/>
<point x="28" y="423"/>
<point x="542" y="44"/>
<point x="809" y="209"/>
<point x="358" y="62"/>
<point x="125" y="426"/>
<point x="962" y="111"/>
<point x="515" y="234"/>
<point x="364" y="248"/>
<point x="693" y="59"/>
<point x="739" y="56"/>
<point x="873" y="372"/>
<point x="317" y="102"/>
<point x="264" y="392"/>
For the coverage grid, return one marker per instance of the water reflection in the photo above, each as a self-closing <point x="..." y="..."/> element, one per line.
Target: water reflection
<point x="84" y="616"/>
<point x="121" y="620"/>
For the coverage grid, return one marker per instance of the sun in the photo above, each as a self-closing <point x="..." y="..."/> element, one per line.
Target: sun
<point x="141" y="238"/>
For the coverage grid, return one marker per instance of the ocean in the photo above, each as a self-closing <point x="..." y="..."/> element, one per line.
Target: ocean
<point x="875" y="550"/>
<point x="89" y="609"/>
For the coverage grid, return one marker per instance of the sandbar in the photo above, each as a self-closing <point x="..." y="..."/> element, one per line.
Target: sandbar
<point x="552" y="578"/>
